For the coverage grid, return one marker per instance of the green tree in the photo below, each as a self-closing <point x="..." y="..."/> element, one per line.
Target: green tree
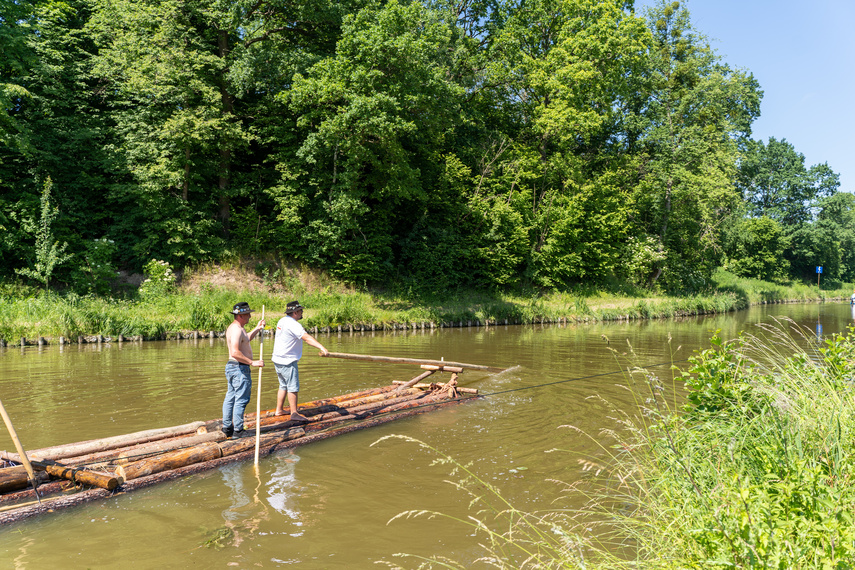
<point x="696" y="110"/>
<point x="775" y="182"/>
<point x="561" y="69"/>
<point x="373" y="118"/>
<point x="48" y="253"/>
<point x="757" y="250"/>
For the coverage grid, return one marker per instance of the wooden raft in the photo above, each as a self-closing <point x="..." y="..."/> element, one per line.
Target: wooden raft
<point x="85" y="471"/>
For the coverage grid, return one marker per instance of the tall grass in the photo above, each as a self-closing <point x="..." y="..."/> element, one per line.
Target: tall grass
<point x="755" y="473"/>
<point x="28" y="313"/>
<point x="752" y="470"/>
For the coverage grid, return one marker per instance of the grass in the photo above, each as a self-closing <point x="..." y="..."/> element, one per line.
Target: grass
<point x="753" y="470"/>
<point x="202" y="303"/>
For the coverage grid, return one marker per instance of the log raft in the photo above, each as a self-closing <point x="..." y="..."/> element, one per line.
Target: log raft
<point x="76" y="473"/>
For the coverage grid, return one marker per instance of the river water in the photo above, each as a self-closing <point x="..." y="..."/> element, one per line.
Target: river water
<point x="329" y="504"/>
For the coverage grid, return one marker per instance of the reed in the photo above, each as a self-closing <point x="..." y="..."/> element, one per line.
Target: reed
<point x="749" y="469"/>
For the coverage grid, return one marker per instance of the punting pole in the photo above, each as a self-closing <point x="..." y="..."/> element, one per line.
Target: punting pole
<point x="397" y="360"/>
<point x="24" y="459"/>
<point x="258" y="390"/>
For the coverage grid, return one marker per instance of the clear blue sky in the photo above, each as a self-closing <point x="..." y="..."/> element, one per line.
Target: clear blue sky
<point x="803" y="55"/>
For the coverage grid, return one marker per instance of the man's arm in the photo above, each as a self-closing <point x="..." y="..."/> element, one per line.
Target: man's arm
<point x="311" y="340"/>
<point x="258" y="328"/>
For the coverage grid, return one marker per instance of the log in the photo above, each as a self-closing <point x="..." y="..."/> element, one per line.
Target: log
<point x="440" y="385"/>
<point x="366" y="409"/>
<point x="169" y="460"/>
<point x="16" y="478"/>
<point x="396" y="360"/>
<point x="313" y="413"/>
<point x="441" y="368"/>
<point x="200" y="453"/>
<point x="141" y="452"/>
<point x="91" y="446"/>
<point x="415" y="380"/>
<point x="92" y="478"/>
<point x="235" y="446"/>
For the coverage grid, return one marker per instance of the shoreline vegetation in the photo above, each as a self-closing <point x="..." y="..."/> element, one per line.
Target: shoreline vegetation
<point x="197" y="305"/>
<point x="750" y="470"/>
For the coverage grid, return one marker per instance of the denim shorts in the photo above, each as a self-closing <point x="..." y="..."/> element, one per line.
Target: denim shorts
<point x="289" y="378"/>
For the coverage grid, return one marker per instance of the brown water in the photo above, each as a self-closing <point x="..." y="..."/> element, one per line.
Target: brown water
<point x="328" y="504"/>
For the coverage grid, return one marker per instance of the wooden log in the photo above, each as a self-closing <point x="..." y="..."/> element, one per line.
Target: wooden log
<point x="366" y="409"/>
<point x="91" y="446"/>
<point x="415" y="380"/>
<point x="169" y="460"/>
<point x="312" y="413"/>
<point x="201" y="453"/>
<point x="396" y="360"/>
<point x="92" y="478"/>
<point x="16" y="478"/>
<point x="140" y="452"/>
<point x="441" y="368"/>
<point x="235" y="446"/>
<point x="440" y="385"/>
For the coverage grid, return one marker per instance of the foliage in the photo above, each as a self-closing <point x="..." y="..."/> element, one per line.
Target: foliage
<point x="753" y="473"/>
<point x="159" y="282"/>
<point x="423" y="146"/>
<point x="97" y="272"/>
<point x="757" y="250"/>
<point x="49" y="254"/>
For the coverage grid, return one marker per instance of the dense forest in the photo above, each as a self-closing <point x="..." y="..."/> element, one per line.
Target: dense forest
<point x="427" y="144"/>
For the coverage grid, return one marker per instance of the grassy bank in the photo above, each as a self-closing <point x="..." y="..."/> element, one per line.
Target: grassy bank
<point x="202" y="300"/>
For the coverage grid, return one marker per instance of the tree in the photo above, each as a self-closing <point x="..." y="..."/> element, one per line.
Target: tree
<point x="561" y="70"/>
<point x="373" y="119"/>
<point x="696" y="110"/>
<point x="48" y="253"/>
<point x="775" y="182"/>
<point x="757" y="250"/>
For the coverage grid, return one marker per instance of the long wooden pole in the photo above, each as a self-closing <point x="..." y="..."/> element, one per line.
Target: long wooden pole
<point x="258" y="390"/>
<point x="24" y="459"/>
<point x="396" y="360"/>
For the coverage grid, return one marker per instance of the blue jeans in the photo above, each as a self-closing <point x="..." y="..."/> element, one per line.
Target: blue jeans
<point x="237" y="394"/>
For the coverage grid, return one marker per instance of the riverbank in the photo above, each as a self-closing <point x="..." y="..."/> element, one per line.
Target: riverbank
<point x="198" y="307"/>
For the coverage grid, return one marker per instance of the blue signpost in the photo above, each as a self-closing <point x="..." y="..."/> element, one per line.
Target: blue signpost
<point x="818" y="273"/>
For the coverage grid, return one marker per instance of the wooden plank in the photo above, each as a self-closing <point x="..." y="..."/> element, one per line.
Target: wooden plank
<point x="397" y="360"/>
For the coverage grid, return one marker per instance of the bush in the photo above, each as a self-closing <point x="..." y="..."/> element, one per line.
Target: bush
<point x="159" y="282"/>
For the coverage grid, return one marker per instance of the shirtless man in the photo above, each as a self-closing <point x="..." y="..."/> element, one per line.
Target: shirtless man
<point x="237" y="369"/>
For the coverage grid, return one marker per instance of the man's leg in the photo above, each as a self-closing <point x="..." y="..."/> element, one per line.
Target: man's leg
<point x="280" y="402"/>
<point x="292" y="401"/>
<point x="243" y="393"/>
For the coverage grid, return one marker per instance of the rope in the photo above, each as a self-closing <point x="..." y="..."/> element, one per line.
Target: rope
<point x="348" y="423"/>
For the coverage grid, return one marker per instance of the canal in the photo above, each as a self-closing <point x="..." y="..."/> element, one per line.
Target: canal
<point x="329" y="504"/>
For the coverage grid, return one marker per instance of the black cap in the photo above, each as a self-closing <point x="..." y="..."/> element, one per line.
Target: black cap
<point x="292" y="307"/>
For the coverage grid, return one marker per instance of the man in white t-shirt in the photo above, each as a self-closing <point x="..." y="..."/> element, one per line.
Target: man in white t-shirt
<point x="287" y="350"/>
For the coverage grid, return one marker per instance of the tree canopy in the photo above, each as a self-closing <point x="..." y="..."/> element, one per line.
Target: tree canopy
<point x="426" y="144"/>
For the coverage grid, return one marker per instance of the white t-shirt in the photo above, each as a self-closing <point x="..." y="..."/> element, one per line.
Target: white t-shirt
<point x="288" y="343"/>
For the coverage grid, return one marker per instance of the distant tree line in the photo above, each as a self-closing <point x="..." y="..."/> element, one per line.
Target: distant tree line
<point x="431" y="144"/>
